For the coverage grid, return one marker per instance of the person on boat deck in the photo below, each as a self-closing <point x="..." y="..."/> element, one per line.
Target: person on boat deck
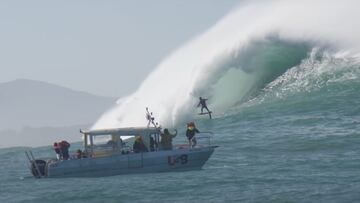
<point x="202" y="102"/>
<point x="166" y="139"/>
<point x="153" y="144"/>
<point x="78" y="154"/>
<point x="112" y="144"/>
<point x="139" y="145"/>
<point x="190" y="134"/>
<point x="64" y="148"/>
<point x="57" y="150"/>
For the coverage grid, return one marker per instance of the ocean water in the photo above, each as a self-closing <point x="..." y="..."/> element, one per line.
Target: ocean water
<point x="286" y="109"/>
<point x="301" y="147"/>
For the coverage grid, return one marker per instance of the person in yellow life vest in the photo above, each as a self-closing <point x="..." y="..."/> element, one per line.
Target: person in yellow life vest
<point x="166" y="139"/>
<point x="190" y="134"/>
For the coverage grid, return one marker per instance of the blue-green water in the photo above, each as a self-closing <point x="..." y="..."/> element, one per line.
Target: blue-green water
<point x="295" y="141"/>
<point x="283" y="81"/>
<point x="291" y="134"/>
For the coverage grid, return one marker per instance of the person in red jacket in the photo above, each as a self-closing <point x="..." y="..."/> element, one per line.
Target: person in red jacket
<point x="64" y="148"/>
<point x="57" y="150"/>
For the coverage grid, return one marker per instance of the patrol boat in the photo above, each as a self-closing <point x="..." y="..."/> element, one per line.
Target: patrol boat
<point x="106" y="154"/>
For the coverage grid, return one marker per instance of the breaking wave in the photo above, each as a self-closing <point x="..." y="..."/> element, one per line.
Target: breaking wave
<point x="279" y="48"/>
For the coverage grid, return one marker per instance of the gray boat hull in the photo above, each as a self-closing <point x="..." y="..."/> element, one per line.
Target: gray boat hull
<point x="117" y="164"/>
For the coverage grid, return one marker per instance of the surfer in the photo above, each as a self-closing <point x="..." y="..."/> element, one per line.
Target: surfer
<point x="203" y="105"/>
<point x="202" y="102"/>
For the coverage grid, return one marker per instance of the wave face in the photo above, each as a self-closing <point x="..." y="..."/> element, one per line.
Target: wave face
<point x="260" y="51"/>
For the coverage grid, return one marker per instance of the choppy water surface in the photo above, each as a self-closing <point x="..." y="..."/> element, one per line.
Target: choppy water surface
<point x="303" y="148"/>
<point x="286" y="108"/>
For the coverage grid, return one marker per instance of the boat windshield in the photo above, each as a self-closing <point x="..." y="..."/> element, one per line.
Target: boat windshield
<point x="106" y="143"/>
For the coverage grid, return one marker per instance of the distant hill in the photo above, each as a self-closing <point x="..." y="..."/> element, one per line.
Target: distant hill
<point x="29" y="103"/>
<point x="43" y="136"/>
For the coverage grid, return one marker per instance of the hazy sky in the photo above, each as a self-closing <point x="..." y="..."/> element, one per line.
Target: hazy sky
<point x="106" y="47"/>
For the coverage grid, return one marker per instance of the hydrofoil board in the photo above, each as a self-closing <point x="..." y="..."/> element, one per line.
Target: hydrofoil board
<point x="204" y="113"/>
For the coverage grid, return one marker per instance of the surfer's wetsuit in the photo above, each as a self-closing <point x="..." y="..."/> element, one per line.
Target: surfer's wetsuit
<point x="203" y="105"/>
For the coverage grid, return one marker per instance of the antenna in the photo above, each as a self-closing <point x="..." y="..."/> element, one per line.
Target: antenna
<point x="150" y="118"/>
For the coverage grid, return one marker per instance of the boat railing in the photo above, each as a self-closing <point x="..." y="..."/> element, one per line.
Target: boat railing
<point x="204" y="138"/>
<point x="33" y="162"/>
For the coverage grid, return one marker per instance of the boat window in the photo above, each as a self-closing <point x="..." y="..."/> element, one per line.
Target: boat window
<point x="101" y="139"/>
<point x="106" y="142"/>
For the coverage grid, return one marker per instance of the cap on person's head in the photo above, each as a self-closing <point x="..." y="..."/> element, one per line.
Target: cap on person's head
<point x="166" y="131"/>
<point x="55" y="143"/>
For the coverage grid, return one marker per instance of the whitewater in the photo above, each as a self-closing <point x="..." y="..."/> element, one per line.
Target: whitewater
<point x="283" y="80"/>
<point x="237" y="57"/>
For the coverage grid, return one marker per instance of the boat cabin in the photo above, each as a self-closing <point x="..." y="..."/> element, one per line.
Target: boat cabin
<point x="98" y="143"/>
<point x="111" y="152"/>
